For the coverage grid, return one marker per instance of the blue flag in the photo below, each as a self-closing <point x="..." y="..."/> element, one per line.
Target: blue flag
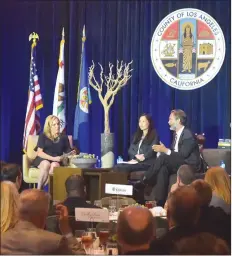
<point x="81" y="121"/>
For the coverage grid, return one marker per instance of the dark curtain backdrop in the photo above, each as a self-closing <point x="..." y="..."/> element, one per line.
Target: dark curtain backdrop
<point x="115" y="30"/>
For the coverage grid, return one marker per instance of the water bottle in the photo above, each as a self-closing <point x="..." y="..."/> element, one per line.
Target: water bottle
<point x="119" y="159"/>
<point x="98" y="162"/>
<point x="222" y="164"/>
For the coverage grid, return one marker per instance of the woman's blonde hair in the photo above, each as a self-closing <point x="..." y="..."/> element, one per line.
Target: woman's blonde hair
<point x="9" y="205"/>
<point x="219" y="181"/>
<point x="48" y="125"/>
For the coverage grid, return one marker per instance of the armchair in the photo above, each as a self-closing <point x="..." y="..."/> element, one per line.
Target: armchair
<point x="30" y="173"/>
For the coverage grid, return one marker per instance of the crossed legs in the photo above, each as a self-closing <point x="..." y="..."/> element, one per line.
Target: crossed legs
<point x="46" y="168"/>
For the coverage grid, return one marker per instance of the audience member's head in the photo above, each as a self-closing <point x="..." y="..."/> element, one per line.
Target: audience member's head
<point x="9" y="205"/>
<point x="135" y="229"/>
<point x="34" y="206"/>
<point x="185" y="175"/>
<point x="200" y="244"/>
<point x="183" y="207"/>
<point x="75" y="186"/>
<point x="204" y="192"/>
<point x="12" y="172"/>
<point x="219" y="181"/>
<point x="2" y="164"/>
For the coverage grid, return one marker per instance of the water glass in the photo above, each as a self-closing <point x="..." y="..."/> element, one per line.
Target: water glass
<point x="98" y="203"/>
<point x="150" y="204"/>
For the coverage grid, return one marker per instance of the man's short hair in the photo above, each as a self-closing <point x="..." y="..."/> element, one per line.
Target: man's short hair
<point x="183" y="206"/>
<point x="200" y="244"/>
<point x="180" y="114"/>
<point x="33" y="202"/>
<point x="10" y="172"/>
<point x="75" y="183"/>
<point x="204" y="191"/>
<point x="134" y="237"/>
<point x="186" y="174"/>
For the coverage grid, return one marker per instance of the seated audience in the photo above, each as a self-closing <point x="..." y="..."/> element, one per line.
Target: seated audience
<point x="13" y="173"/>
<point x="135" y="230"/>
<point x="76" y="194"/>
<point x="185" y="176"/>
<point x="212" y="219"/>
<point x="182" y="214"/>
<point x="200" y="244"/>
<point x="219" y="181"/>
<point x="9" y="206"/>
<point x="2" y="163"/>
<point x="140" y="152"/>
<point x="50" y="148"/>
<point x="29" y="237"/>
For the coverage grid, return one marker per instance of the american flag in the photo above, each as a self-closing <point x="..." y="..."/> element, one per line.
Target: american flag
<point x="35" y="103"/>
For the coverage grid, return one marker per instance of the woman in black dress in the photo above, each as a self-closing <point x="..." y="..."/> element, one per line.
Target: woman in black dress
<point x="50" y="148"/>
<point x="140" y="153"/>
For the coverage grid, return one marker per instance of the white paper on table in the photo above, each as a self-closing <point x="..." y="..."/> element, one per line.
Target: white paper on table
<point x="91" y="214"/>
<point x="129" y="162"/>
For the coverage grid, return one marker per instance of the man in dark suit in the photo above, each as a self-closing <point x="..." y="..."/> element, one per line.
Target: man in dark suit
<point x="184" y="150"/>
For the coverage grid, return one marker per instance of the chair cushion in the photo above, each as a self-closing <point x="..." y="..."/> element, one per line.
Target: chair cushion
<point x="33" y="173"/>
<point x="136" y="175"/>
<point x="31" y="144"/>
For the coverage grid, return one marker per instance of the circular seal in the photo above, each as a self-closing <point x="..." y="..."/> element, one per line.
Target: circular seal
<point x="84" y="103"/>
<point x="187" y="49"/>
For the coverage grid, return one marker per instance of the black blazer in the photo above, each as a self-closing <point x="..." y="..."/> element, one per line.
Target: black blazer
<point x="145" y="148"/>
<point x="188" y="149"/>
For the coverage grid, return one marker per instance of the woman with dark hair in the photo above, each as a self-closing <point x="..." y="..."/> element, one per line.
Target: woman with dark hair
<point x="140" y="151"/>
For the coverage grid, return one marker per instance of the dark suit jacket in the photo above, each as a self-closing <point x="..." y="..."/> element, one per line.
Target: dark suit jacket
<point x="25" y="238"/>
<point x="164" y="244"/>
<point x="215" y="221"/>
<point x="188" y="149"/>
<point x="145" y="148"/>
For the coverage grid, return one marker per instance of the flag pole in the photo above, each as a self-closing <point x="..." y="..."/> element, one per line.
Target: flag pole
<point x="82" y="47"/>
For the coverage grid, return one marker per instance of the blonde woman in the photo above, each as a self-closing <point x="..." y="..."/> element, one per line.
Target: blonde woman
<point x="50" y="148"/>
<point x="9" y="205"/>
<point x="219" y="181"/>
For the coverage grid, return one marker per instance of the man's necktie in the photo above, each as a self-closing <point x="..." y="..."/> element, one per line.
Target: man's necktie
<point x="174" y="141"/>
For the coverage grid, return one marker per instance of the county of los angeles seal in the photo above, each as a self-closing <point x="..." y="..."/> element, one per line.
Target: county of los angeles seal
<point x="187" y="49"/>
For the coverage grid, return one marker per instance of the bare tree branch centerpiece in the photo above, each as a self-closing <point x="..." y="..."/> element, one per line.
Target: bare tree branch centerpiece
<point x="112" y="83"/>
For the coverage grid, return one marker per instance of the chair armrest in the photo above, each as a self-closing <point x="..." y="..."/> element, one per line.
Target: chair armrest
<point x="26" y="165"/>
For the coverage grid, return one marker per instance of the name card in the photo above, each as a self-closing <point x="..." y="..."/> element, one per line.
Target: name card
<point x="118" y="189"/>
<point x="91" y="215"/>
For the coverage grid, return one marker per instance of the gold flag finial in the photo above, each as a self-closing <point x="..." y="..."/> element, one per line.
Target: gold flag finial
<point x="33" y="36"/>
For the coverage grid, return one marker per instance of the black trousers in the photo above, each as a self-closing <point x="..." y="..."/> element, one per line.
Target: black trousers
<point x="158" y="174"/>
<point x="132" y="167"/>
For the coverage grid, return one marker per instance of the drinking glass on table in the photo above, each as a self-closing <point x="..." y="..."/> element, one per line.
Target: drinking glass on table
<point x="124" y="203"/>
<point x="112" y="206"/>
<point x="87" y="240"/>
<point x="150" y="204"/>
<point x="79" y="233"/>
<point x="103" y="235"/>
<point x="98" y="203"/>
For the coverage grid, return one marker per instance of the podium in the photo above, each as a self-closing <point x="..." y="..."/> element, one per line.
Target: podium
<point x="95" y="180"/>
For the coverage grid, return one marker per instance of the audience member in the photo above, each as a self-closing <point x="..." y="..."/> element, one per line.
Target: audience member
<point x="212" y="219"/>
<point x="76" y="194"/>
<point x="135" y="230"/>
<point x="9" y="206"/>
<point x="185" y="176"/>
<point x="200" y="244"/>
<point x="12" y="172"/>
<point x="182" y="214"/>
<point x="29" y="237"/>
<point x="219" y="181"/>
